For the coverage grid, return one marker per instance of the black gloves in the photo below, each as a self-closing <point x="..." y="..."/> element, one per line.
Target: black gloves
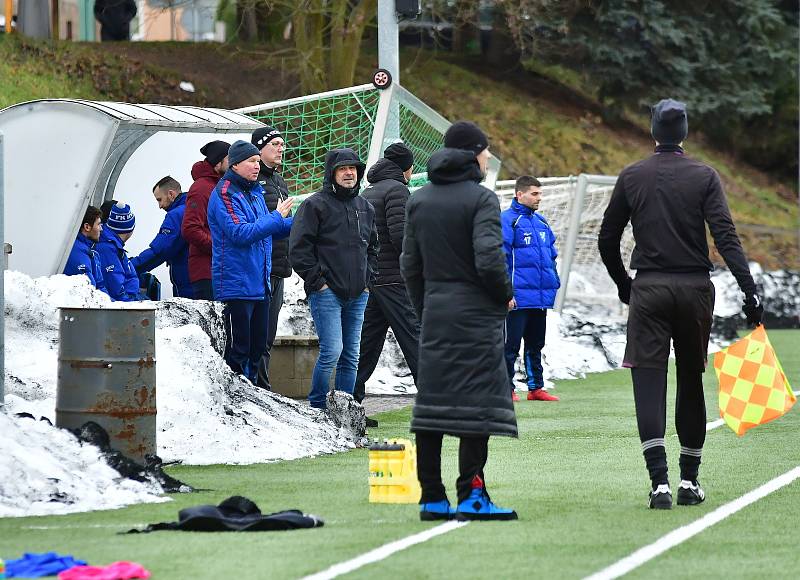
<point x="753" y="309"/>
<point x="624" y="290"/>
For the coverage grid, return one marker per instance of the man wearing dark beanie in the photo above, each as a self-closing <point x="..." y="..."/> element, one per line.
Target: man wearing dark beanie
<point x="669" y="198"/>
<point x="388" y="304"/>
<point x="205" y="173"/>
<point x="242" y="230"/>
<point x="271" y="145"/>
<point x="454" y="268"/>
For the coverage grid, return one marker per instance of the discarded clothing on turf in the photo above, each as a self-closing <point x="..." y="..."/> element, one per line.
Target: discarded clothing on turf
<point x="39" y="565"/>
<point x="115" y="571"/>
<point x="235" y="514"/>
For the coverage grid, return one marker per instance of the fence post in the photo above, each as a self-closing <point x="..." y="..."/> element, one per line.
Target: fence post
<point x="572" y="239"/>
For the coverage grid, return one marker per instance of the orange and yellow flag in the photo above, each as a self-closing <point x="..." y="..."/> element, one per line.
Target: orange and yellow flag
<point x="753" y="388"/>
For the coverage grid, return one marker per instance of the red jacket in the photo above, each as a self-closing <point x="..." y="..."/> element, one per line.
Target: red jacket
<point x="195" y="221"/>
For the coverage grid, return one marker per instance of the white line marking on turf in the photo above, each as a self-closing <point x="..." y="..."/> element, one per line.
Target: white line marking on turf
<point x="384" y="551"/>
<point x="683" y="533"/>
<point x="713" y="425"/>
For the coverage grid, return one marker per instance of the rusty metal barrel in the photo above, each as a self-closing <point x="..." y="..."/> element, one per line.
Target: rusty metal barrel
<point x="107" y="374"/>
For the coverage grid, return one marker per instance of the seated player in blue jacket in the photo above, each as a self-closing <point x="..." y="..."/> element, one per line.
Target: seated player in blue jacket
<point x="120" y="275"/>
<point x="168" y="245"/>
<point x="530" y="247"/>
<point x="83" y="258"/>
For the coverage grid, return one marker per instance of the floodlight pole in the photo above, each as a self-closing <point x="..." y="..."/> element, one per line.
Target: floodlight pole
<point x="389" y="59"/>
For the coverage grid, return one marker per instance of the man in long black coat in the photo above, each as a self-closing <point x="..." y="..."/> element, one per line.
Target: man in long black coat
<point x="454" y="268"/>
<point x="115" y="18"/>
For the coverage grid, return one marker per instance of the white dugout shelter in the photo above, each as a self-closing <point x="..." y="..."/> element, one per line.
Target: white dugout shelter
<point x="62" y="155"/>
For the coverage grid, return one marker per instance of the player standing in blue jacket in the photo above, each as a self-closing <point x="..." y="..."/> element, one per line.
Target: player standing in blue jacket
<point x="168" y="245"/>
<point x="83" y="258"/>
<point x="530" y="249"/>
<point x="241" y="255"/>
<point x="120" y="275"/>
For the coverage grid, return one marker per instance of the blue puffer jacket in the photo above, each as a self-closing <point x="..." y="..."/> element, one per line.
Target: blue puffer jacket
<point x="84" y="260"/>
<point x="530" y="247"/>
<point x="170" y="247"/>
<point x="118" y="272"/>
<point x="241" y="238"/>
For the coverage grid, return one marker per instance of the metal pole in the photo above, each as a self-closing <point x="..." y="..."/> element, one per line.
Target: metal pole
<point x="389" y="58"/>
<point x="2" y="278"/>
<point x="572" y="239"/>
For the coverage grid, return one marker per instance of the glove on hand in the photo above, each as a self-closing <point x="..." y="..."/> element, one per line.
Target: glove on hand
<point x="624" y="290"/>
<point x="753" y="309"/>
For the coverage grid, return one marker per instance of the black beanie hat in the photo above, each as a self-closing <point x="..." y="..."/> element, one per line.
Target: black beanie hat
<point x="400" y="154"/>
<point x="215" y="151"/>
<point x="240" y="151"/>
<point x="264" y="135"/>
<point x="669" y="124"/>
<point x="466" y="135"/>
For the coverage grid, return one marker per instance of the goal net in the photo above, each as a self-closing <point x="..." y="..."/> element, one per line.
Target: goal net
<point x="363" y="118"/>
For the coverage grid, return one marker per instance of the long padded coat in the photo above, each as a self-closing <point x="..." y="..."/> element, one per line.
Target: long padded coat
<point x="455" y="271"/>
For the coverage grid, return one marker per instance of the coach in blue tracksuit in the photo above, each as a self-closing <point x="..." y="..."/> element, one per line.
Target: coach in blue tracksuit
<point x="530" y="249"/>
<point x="241" y="256"/>
<point x="120" y="275"/>
<point x="83" y="258"/>
<point x="168" y="245"/>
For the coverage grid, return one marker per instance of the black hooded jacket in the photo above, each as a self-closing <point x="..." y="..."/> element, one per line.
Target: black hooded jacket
<point x="388" y="194"/>
<point x="333" y="239"/>
<point x="115" y="17"/>
<point x="275" y="189"/>
<point x="455" y="271"/>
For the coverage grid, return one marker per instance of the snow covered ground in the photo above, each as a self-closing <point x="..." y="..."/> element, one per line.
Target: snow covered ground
<point x="44" y="470"/>
<point x="206" y="414"/>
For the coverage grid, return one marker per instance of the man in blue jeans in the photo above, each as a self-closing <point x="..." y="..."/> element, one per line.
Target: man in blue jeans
<point x="530" y="249"/>
<point x="333" y="246"/>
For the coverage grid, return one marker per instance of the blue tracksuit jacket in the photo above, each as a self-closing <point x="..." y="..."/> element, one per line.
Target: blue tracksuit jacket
<point x="170" y="247"/>
<point x="83" y="259"/>
<point x="530" y="249"/>
<point x="241" y="238"/>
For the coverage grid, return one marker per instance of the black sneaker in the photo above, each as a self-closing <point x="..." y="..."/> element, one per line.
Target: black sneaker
<point x="371" y="422"/>
<point x="690" y="493"/>
<point x="661" y="498"/>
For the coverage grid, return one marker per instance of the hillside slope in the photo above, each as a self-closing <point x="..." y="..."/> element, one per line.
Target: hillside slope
<point x="536" y="125"/>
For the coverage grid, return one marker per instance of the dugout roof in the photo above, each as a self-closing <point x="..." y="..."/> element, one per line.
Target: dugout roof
<point x="63" y="154"/>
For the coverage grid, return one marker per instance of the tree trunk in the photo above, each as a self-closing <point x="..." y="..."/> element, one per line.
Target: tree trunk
<point x="246" y="15"/>
<point x="308" y="22"/>
<point x="346" y="36"/>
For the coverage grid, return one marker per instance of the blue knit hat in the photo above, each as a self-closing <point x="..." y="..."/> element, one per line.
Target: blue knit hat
<point x="240" y="151"/>
<point x="121" y="218"/>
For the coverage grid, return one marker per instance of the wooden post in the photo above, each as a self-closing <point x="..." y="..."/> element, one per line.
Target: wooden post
<point x="9" y="12"/>
<point x="55" y="20"/>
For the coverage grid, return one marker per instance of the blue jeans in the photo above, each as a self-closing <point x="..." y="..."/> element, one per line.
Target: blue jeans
<point x="529" y="324"/>
<point x="338" y="322"/>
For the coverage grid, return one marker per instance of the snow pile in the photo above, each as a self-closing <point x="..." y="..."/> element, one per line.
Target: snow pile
<point x="206" y="414"/>
<point x="44" y="470"/>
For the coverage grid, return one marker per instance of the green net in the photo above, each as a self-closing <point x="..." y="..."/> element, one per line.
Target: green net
<point x="314" y="126"/>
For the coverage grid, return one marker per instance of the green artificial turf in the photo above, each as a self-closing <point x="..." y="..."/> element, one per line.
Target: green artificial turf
<point x="575" y="476"/>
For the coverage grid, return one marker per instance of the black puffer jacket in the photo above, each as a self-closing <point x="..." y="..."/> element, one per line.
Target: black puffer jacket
<point x="388" y="194"/>
<point x="455" y="271"/>
<point x="333" y="239"/>
<point x="275" y="189"/>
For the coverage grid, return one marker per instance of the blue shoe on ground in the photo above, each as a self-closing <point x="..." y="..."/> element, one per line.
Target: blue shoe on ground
<point x="478" y="506"/>
<point x="439" y="510"/>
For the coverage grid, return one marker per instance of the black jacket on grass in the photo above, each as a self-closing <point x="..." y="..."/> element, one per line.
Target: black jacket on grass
<point x="668" y="198"/>
<point x="455" y="271"/>
<point x="275" y="190"/>
<point x="333" y="239"/>
<point x="388" y="194"/>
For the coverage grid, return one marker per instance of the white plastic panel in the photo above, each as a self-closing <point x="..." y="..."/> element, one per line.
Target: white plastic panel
<point x="52" y="154"/>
